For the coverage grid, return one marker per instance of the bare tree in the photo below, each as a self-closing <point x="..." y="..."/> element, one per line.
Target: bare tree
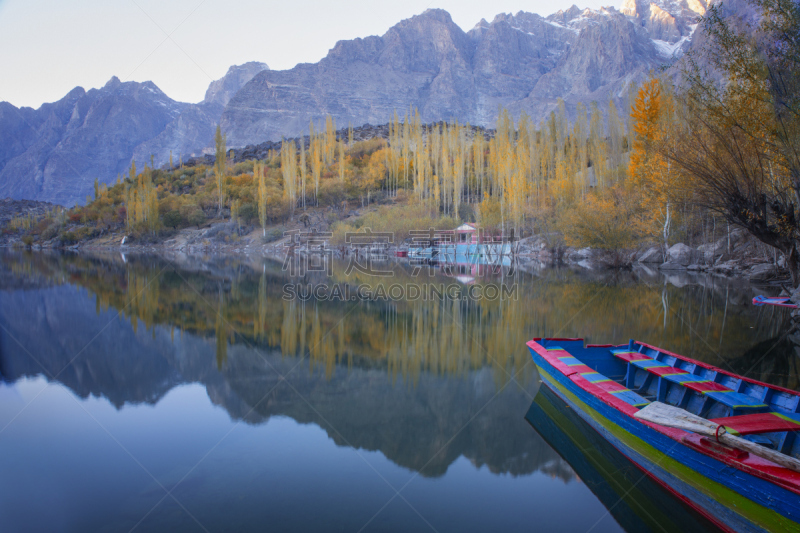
<point x="740" y="134"/>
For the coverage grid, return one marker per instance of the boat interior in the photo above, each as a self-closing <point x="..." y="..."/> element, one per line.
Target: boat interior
<point x="639" y="374"/>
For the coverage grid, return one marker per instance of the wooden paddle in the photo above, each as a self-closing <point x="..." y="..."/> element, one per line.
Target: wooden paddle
<point x="675" y="417"/>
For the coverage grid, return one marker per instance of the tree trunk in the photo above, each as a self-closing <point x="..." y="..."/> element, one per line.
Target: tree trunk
<point x="666" y="230"/>
<point x="728" y="226"/>
<point x="793" y="265"/>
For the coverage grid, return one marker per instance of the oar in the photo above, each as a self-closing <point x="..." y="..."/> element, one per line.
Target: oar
<point x="675" y="417"/>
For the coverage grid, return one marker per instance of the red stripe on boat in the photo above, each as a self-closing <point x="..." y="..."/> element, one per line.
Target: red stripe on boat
<point x="610" y="386"/>
<point x="631" y="356"/>
<point x="581" y="369"/>
<point x="757" y="423"/>
<point x="706" y="386"/>
<point x="606" y="397"/>
<point x="665" y="370"/>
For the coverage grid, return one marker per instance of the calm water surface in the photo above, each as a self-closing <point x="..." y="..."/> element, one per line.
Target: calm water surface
<point x="148" y="394"/>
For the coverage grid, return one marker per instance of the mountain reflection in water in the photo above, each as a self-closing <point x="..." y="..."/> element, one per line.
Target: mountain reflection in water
<point x="424" y="383"/>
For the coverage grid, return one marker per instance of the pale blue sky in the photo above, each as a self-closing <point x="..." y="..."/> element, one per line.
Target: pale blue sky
<point x="51" y="46"/>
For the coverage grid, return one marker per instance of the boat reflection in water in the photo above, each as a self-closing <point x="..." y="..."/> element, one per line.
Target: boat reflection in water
<point x="635" y="501"/>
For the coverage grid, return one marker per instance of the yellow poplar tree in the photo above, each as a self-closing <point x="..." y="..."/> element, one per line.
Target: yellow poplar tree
<point x="650" y="173"/>
<point x="219" y="165"/>
<point x="258" y="172"/>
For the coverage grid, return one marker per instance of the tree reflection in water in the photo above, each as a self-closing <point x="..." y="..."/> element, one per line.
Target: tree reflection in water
<point x="424" y="383"/>
<point x="704" y="317"/>
<point x="401" y="377"/>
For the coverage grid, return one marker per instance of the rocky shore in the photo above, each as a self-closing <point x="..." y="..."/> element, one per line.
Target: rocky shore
<point x="746" y="259"/>
<point x="734" y="255"/>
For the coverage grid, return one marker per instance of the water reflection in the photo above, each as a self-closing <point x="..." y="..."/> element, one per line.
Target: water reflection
<point x="635" y="501"/>
<point x="459" y="352"/>
<point x="705" y="317"/>
<point x="169" y="333"/>
<point x="430" y="385"/>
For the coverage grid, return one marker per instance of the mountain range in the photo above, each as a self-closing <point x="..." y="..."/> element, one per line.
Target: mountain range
<point x="54" y="153"/>
<point x="523" y="62"/>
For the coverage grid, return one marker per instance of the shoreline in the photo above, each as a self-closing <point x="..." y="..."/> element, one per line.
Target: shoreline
<point x="577" y="259"/>
<point x="736" y="255"/>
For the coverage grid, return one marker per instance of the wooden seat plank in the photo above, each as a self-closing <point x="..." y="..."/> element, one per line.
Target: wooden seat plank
<point x="735" y="400"/>
<point x="754" y="424"/>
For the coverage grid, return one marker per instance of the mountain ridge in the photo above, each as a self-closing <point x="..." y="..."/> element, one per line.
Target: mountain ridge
<point x="524" y="62"/>
<point x="55" y="152"/>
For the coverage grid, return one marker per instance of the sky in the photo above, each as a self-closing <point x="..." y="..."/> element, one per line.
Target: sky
<point x="51" y="46"/>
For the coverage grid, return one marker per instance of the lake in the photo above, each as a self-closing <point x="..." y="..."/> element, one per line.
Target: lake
<point x="178" y="393"/>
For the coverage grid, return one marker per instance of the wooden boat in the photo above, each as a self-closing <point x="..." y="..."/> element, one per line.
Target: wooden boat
<point x="780" y="301"/>
<point x="607" y="386"/>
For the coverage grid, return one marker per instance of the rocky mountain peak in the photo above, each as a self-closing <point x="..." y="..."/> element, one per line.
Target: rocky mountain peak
<point x="667" y="21"/>
<point x="74" y="94"/>
<point x="54" y="153"/>
<point x="431" y="25"/>
<point x="112" y="83"/>
<point x="567" y="14"/>
<point x="523" y="62"/>
<point x="437" y="14"/>
<point x="481" y="24"/>
<point x="222" y="90"/>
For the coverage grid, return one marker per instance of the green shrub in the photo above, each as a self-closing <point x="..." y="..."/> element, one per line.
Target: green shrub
<point x="273" y="234"/>
<point x="399" y="220"/>
<point x="41" y="225"/>
<point x="466" y="213"/>
<point x="248" y="212"/>
<point x="243" y="167"/>
<point x="208" y="201"/>
<point x="193" y="215"/>
<point x="85" y="233"/>
<point x="50" y="232"/>
<point x="172" y="219"/>
<point x="331" y="193"/>
<point x="68" y="238"/>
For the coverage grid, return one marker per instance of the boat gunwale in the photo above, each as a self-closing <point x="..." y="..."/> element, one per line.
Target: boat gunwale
<point x="678" y="356"/>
